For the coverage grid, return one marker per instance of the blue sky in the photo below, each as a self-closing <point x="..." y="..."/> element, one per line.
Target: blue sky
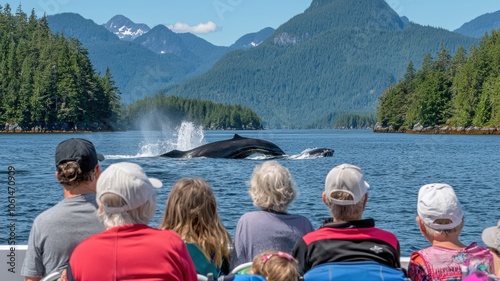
<point x="222" y="22"/>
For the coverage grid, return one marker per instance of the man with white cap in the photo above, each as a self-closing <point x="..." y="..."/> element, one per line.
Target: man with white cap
<point x="347" y="237"/>
<point x="491" y="238"/>
<point x="129" y="249"/>
<point x="56" y="232"/>
<point x="440" y="219"/>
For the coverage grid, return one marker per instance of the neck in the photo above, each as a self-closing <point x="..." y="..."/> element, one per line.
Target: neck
<point x="348" y="219"/>
<point x="496" y="264"/>
<point x="80" y="189"/>
<point x="447" y="241"/>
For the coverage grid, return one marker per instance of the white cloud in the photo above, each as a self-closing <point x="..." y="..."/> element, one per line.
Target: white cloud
<point x="200" y="28"/>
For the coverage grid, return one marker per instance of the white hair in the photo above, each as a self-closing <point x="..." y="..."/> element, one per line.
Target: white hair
<point x="139" y="215"/>
<point x="272" y="187"/>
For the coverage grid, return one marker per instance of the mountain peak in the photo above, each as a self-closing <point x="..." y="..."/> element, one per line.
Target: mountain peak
<point x="126" y="29"/>
<point x="481" y="25"/>
<point x="162" y="40"/>
<point x="354" y="16"/>
<point x="253" y="39"/>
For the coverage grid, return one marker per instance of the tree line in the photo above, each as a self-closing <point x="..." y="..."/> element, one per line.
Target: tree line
<point x="48" y="82"/>
<point x="210" y="115"/>
<point x="460" y="91"/>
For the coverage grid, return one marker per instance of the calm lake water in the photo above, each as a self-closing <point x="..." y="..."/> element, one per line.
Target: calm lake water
<point x="395" y="165"/>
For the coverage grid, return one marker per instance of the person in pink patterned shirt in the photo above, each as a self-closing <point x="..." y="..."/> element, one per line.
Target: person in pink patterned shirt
<point x="441" y="220"/>
<point x="491" y="238"/>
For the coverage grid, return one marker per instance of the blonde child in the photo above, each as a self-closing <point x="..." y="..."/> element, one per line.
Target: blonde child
<point x="192" y="212"/>
<point x="275" y="266"/>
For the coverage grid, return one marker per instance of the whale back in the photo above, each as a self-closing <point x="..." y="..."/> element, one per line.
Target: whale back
<point x="237" y="147"/>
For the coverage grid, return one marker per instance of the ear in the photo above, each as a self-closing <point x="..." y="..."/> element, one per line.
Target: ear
<point x="323" y="196"/>
<point x="421" y="226"/>
<point x="97" y="171"/>
<point x="57" y="176"/>
<point x="365" y="200"/>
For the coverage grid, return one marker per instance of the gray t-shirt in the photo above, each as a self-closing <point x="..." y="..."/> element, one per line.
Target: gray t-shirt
<point x="57" y="231"/>
<point x="260" y="231"/>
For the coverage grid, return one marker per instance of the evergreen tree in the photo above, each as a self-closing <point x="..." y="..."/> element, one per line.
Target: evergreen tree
<point x="48" y="80"/>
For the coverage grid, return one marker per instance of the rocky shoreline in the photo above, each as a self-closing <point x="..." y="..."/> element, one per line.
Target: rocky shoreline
<point x="443" y="129"/>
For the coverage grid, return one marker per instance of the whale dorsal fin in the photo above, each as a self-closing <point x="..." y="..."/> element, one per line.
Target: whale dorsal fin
<point x="236" y="137"/>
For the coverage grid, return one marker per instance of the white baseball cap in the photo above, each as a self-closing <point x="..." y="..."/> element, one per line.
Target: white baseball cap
<point x="347" y="178"/>
<point x="129" y="181"/>
<point x="491" y="236"/>
<point x="438" y="201"/>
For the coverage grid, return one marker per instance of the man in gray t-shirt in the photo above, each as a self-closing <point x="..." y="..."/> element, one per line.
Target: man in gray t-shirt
<point x="58" y="230"/>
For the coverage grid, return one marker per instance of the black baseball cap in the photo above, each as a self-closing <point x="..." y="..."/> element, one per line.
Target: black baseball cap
<point x="79" y="150"/>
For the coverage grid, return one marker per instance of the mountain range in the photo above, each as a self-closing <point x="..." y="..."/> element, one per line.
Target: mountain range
<point x="481" y="25"/>
<point x="336" y="57"/>
<point x="145" y="60"/>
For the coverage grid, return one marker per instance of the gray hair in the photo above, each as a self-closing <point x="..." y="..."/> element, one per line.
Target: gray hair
<point x="346" y="212"/>
<point x="140" y="215"/>
<point x="272" y="187"/>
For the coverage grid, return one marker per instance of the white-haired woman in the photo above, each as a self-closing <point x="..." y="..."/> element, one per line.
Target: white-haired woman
<point x="271" y="228"/>
<point x="129" y="249"/>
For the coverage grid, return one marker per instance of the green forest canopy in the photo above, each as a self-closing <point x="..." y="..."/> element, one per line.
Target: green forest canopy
<point x="208" y="114"/>
<point x="48" y="81"/>
<point x="460" y="91"/>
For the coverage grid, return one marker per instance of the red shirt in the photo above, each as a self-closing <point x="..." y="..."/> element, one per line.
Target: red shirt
<point x="133" y="252"/>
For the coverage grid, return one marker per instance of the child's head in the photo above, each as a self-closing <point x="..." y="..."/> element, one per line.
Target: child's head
<point x="192" y="212"/>
<point x="275" y="266"/>
<point x="439" y="210"/>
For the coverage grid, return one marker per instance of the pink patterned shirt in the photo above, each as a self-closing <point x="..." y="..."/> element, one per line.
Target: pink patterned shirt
<point x="443" y="264"/>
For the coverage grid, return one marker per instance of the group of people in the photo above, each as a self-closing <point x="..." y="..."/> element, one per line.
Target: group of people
<point x="100" y="231"/>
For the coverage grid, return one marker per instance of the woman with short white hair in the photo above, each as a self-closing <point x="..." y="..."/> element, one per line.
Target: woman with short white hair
<point x="128" y="248"/>
<point x="271" y="228"/>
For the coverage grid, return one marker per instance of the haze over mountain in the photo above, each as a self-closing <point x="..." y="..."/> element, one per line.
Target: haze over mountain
<point x="144" y="60"/>
<point x="481" y="25"/>
<point x="336" y="57"/>
<point x="253" y="39"/>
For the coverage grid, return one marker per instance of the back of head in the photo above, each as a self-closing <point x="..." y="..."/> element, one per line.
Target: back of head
<point x="491" y="238"/>
<point x="275" y="266"/>
<point x="272" y="187"/>
<point x="345" y="191"/>
<point x="76" y="160"/>
<point x="126" y="195"/>
<point x="439" y="209"/>
<point x="191" y="209"/>
<point x="192" y="212"/>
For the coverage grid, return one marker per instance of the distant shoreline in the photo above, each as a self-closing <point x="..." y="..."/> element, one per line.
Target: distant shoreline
<point x="442" y="130"/>
<point x="18" y="132"/>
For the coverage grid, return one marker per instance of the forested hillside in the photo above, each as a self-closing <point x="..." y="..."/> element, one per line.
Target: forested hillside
<point x="138" y="71"/>
<point x="48" y="82"/>
<point x="338" y="56"/>
<point x="481" y="25"/>
<point x="173" y="110"/>
<point x="461" y="90"/>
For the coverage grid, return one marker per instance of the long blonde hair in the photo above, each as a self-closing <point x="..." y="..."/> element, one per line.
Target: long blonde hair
<point x="192" y="213"/>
